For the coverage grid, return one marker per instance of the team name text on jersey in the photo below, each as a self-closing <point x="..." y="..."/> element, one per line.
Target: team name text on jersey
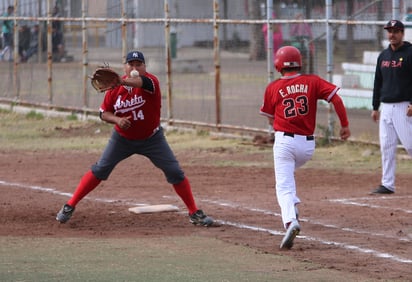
<point x="392" y="64"/>
<point x="127" y="105"/>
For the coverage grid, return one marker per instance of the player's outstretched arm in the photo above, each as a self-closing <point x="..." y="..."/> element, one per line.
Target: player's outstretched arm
<point x="341" y="112"/>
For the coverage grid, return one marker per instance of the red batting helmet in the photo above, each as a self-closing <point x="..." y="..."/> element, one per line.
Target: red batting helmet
<point x="287" y="57"/>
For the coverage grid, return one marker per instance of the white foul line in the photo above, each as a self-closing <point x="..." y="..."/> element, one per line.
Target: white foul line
<point x="56" y="192"/>
<point x="342" y="245"/>
<point x="238" y="225"/>
<point x="311" y="221"/>
<point x="355" y="202"/>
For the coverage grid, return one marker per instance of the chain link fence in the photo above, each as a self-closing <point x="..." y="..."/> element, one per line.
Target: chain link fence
<point x="213" y="58"/>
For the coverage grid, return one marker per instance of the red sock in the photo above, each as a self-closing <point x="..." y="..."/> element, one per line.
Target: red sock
<point x="87" y="184"/>
<point x="184" y="191"/>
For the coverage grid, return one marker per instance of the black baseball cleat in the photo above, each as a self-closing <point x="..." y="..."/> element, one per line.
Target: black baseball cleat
<point x="382" y="190"/>
<point x="199" y="218"/>
<point x="65" y="213"/>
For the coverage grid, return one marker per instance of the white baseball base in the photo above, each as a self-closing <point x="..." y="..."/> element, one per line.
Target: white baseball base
<point x="154" y="208"/>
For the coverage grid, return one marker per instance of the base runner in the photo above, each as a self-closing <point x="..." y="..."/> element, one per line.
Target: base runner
<point x="290" y="104"/>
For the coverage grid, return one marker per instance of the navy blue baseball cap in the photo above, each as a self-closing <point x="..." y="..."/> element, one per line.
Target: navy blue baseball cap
<point x="394" y="24"/>
<point x="135" y="56"/>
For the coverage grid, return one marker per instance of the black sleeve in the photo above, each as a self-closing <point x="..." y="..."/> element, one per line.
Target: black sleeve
<point x="377" y="84"/>
<point x="148" y="84"/>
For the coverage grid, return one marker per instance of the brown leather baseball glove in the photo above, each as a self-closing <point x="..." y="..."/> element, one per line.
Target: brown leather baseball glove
<point x="104" y="78"/>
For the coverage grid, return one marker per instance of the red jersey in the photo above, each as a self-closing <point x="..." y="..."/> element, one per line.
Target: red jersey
<point x="142" y="106"/>
<point x="292" y="102"/>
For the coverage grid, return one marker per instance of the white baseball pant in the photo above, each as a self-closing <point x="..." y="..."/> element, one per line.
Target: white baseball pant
<point x="289" y="154"/>
<point x="394" y="127"/>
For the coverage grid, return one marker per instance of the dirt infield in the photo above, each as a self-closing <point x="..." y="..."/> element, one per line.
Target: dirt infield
<point x="343" y="227"/>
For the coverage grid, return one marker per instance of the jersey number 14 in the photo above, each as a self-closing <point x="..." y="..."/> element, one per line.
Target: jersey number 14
<point x="138" y="115"/>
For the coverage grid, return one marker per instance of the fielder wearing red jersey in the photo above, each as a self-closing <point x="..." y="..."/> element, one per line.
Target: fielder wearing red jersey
<point x="290" y="104"/>
<point x="134" y="109"/>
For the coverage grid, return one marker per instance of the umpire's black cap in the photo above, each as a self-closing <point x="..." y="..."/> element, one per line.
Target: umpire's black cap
<point x="394" y="24"/>
<point x="135" y="56"/>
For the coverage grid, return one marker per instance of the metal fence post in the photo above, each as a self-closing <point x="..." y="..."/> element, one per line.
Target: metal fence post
<point x="395" y="9"/>
<point x="168" y="63"/>
<point x="216" y="48"/>
<point x="269" y="43"/>
<point x="85" y="53"/>
<point x="49" y="52"/>
<point x="124" y="29"/>
<point x="329" y="62"/>
<point x="15" y="53"/>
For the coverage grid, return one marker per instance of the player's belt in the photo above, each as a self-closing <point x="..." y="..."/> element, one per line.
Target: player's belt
<point x="308" y="138"/>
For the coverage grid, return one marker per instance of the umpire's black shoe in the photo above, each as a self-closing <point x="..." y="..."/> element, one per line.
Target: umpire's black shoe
<point x="199" y="218"/>
<point x="65" y="213"/>
<point x="382" y="190"/>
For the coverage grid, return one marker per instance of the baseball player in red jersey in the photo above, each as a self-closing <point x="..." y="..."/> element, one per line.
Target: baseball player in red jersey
<point x="134" y="109"/>
<point x="290" y="104"/>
